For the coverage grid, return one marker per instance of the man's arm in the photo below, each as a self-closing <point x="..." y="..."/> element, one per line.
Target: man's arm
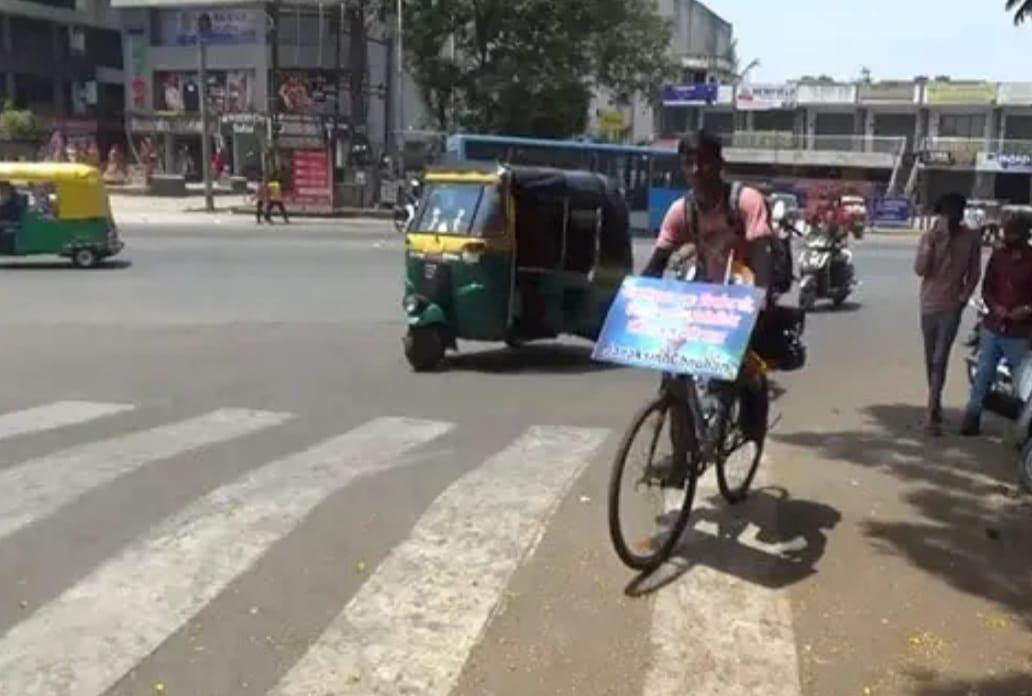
<point x="989" y="289"/>
<point x="925" y="253"/>
<point x="672" y="234"/>
<point x="974" y="272"/>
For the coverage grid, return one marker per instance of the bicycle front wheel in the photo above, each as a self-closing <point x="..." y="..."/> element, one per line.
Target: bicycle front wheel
<point x="743" y="436"/>
<point x="646" y="515"/>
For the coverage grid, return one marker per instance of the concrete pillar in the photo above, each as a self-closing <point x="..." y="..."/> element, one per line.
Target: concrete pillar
<point x="985" y="185"/>
<point x="869" y="131"/>
<point x="811" y="128"/>
<point x="5" y="34"/>
<point x="750" y="120"/>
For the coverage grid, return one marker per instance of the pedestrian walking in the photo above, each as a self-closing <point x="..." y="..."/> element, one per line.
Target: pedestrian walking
<point x="274" y="200"/>
<point x="949" y="264"/>
<point x="1007" y="292"/>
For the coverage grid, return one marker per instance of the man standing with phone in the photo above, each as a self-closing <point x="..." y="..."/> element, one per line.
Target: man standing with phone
<point x="949" y="259"/>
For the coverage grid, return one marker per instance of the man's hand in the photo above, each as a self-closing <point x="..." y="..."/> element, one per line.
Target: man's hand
<point x="1023" y="313"/>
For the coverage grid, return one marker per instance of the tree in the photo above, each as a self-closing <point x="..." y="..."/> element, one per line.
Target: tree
<point x="1022" y="10"/>
<point x="19" y="124"/>
<point x="530" y="67"/>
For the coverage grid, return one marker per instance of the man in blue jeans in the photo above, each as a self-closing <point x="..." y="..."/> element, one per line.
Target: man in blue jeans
<point x="1007" y="292"/>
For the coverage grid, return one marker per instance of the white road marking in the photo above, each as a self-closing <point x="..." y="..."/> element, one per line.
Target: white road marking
<point x="714" y="634"/>
<point x="54" y="416"/>
<point x="84" y="641"/>
<point x="410" y="628"/>
<point x="39" y="487"/>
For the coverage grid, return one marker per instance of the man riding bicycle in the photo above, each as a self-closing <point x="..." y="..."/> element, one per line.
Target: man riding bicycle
<point x="718" y="228"/>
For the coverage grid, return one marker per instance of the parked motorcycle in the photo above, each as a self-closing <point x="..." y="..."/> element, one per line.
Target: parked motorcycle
<point x="826" y="269"/>
<point x="407" y="205"/>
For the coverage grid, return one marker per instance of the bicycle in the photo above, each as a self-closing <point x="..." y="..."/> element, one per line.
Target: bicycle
<point x="707" y="426"/>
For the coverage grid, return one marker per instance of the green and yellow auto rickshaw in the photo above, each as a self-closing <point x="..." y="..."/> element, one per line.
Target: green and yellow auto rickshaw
<point x="58" y="209"/>
<point x="513" y="254"/>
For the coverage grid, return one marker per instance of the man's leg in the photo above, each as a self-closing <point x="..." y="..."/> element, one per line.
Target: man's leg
<point x="1014" y="351"/>
<point x="990" y="353"/>
<point x="258" y="211"/>
<point x="930" y="333"/>
<point x="283" y="211"/>
<point x="947" y="324"/>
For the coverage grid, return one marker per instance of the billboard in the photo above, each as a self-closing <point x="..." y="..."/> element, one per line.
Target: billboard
<point x="960" y="93"/>
<point x="307" y="92"/>
<point x="686" y="95"/>
<point x="229" y="91"/>
<point x="766" y="97"/>
<point x="888" y="93"/>
<point x="1003" y="163"/>
<point x="228" y="26"/>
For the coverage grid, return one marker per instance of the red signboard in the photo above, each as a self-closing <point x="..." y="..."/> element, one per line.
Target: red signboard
<point x="313" y="181"/>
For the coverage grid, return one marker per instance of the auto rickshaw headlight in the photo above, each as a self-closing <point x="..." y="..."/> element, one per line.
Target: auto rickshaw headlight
<point x="411" y="304"/>
<point x="472" y="251"/>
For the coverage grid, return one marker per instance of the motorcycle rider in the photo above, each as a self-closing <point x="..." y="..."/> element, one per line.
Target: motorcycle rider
<point x="1007" y="292"/>
<point x="703" y="218"/>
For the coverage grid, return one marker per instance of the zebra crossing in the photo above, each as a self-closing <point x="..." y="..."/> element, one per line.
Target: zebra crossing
<point x="408" y="629"/>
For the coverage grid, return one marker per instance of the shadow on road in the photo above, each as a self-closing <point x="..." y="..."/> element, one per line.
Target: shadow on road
<point x="829" y="308"/>
<point x="972" y="527"/>
<point x="114" y="265"/>
<point x="771" y="540"/>
<point x="540" y="359"/>
<point x="1017" y="684"/>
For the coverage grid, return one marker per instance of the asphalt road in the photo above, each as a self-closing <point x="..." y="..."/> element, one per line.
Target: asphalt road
<point x="216" y="496"/>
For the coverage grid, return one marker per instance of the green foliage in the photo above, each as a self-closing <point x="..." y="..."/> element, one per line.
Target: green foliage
<point x="530" y="67"/>
<point x="19" y="124"/>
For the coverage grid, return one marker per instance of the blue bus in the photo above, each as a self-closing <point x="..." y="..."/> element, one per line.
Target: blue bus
<point x="652" y="178"/>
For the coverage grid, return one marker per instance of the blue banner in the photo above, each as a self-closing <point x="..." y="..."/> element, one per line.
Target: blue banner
<point x="685" y="328"/>
<point x="703" y="93"/>
<point x="891" y="212"/>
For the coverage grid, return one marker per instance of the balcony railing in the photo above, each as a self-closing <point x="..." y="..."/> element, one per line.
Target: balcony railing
<point x="774" y="140"/>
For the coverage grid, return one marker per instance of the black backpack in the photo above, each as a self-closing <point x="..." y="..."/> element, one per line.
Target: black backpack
<point x="780" y="249"/>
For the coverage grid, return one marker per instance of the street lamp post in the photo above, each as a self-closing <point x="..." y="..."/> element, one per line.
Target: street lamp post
<point x="203" y="29"/>
<point x="400" y="79"/>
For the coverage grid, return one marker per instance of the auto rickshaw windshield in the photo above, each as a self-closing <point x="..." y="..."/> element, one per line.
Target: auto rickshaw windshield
<point x="472" y="210"/>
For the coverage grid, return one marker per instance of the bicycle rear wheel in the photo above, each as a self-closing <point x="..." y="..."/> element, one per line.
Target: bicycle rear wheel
<point x="636" y="492"/>
<point x="743" y="436"/>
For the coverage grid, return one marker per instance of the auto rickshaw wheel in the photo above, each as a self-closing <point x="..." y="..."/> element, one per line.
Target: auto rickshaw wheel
<point x="84" y="257"/>
<point x="424" y="348"/>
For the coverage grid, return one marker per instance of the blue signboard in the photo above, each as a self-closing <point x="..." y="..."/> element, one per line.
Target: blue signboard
<point x="685" y="328"/>
<point x="703" y="93"/>
<point x="889" y="212"/>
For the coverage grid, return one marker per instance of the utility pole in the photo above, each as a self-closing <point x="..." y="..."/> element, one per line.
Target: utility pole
<point x="401" y="87"/>
<point x="273" y="19"/>
<point x="203" y="30"/>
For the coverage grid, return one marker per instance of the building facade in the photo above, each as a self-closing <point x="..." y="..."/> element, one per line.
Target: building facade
<point x="701" y="45"/>
<point x="280" y="76"/>
<point x="62" y="59"/>
<point x="918" y="138"/>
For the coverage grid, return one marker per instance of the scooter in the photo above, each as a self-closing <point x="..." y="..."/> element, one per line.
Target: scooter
<point x="826" y="270"/>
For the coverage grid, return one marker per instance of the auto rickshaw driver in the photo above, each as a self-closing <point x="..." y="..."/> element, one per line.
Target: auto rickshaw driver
<point x="10" y="205"/>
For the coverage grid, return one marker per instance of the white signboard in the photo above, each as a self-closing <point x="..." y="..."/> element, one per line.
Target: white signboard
<point x="1004" y="163"/>
<point x="1014" y="93"/>
<point x="826" y="94"/>
<point x="766" y="97"/>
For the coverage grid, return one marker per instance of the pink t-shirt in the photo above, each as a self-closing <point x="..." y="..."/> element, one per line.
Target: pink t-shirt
<point x="718" y="238"/>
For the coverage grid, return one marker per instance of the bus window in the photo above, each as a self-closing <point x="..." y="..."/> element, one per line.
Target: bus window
<point x="638" y="182"/>
<point x="667" y="172"/>
<point x="486" y="152"/>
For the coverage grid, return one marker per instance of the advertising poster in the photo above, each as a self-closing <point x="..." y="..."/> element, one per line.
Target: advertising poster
<point x="229" y="91"/>
<point x="308" y="93"/>
<point x="685" y="328"/>
<point x="313" y="188"/>
<point x="1004" y="163"/>
<point x="766" y="97"/>
<point x="228" y="26"/>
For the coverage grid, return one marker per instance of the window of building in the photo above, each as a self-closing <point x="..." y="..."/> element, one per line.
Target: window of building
<point x="67" y="4"/>
<point x="32" y="37"/>
<point x="105" y="47"/>
<point x="33" y="92"/>
<point x="962" y="126"/>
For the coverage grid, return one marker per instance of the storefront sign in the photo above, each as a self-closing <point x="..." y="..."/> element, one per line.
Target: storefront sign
<point x="299" y="132"/>
<point x="888" y="93"/>
<point x="1004" y="163"/>
<point x="765" y="97"/>
<point x="308" y="92"/>
<point x="891" y="212"/>
<point x="313" y="182"/>
<point x="228" y="26"/>
<point x="826" y="94"/>
<point x="1014" y="93"/>
<point x="960" y="93"/>
<point x="943" y="158"/>
<point x="247" y="123"/>
<point x="687" y="95"/>
<point x="139" y="69"/>
<point x="686" y="328"/>
<point x="228" y="91"/>
<point x="165" y="123"/>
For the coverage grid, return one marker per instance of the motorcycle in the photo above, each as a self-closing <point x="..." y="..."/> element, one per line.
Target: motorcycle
<point x="826" y="269"/>
<point x="408" y="204"/>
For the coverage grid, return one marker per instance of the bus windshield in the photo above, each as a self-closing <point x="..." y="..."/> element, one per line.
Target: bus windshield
<point x="473" y="210"/>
